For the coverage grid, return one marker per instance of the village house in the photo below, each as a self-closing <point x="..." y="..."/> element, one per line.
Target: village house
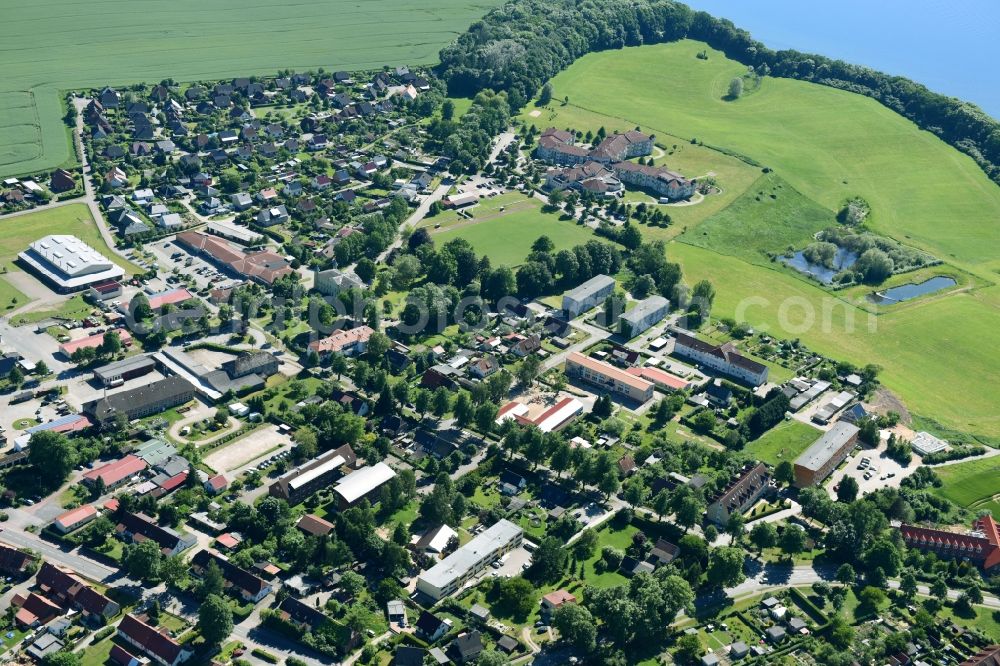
<point x="158" y="645"/>
<point x="70" y="591"/>
<point x="246" y="585"/>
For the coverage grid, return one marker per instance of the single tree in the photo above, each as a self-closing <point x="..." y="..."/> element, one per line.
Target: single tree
<point x="215" y="619"/>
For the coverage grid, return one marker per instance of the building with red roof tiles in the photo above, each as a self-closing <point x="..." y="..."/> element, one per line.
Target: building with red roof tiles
<point x="115" y="473"/>
<point x="160" y="647"/>
<point x="34" y="611"/>
<point x="74" y="518"/>
<point x="93" y="341"/>
<point x="981" y="546"/>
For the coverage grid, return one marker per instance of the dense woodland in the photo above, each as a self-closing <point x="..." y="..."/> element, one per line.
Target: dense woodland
<point x="520" y="45"/>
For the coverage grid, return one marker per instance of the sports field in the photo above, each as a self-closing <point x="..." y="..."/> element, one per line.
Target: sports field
<point x="506" y="237"/>
<point x="972" y="484"/>
<point x="60" y="45"/>
<point x="825" y="145"/>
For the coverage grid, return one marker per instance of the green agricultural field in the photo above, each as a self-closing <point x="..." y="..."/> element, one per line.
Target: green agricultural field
<point x="75" y="219"/>
<point x="62" y="45"/>
<point x="783" y="442"/>
<point x="506" y="237"/>
<point x="972" y="484"/>
<point x="767" y="218"/>
<point x="824" y="145"/>
<point x="828" y="144"/>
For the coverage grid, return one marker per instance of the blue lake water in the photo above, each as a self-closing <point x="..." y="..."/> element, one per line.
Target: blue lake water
<point x="950" y="47"/>
<point x="905" y="292"/>
<point x="843" y="259"/>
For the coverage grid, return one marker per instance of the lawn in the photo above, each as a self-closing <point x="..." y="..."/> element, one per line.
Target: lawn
<point x="73" y="307"/>
<point x="971" y="484"/>
<point x="75" y="220"/>
<point x="828" y="144"/>
<point x="783" y="442"/>
<point x="506" y="237"/>
<point x="10" y="296"/>
<point x="767" y="219"/>
<point x="188" y="41"/>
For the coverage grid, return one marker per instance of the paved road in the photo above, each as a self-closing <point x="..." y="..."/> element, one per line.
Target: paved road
<point x="415" y="217"/>
<point x="70" y="559"/>
<point x="89" y="198"/>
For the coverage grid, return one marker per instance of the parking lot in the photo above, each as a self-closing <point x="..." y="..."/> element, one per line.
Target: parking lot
<point x="170" y="257"/>
<point x="881" y="472"/>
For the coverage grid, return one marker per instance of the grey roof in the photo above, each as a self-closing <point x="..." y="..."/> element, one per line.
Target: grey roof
<point x="125" y="365"/>
<point x="470" y="555"/>
<point x="820" y="451"/>
<point x="592" y="285"/>
<point x="646" y="308"/>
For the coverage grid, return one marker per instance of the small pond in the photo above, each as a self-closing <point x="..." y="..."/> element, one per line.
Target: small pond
<point x="905" y="292"/>
<point x="843" y="259"/>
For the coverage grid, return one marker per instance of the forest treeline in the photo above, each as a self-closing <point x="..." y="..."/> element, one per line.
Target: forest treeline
<point x="520" y="45"/>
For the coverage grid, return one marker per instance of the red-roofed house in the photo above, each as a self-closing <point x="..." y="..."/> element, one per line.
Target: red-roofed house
<point x="160" y="647"/>
<point x="34" y="611"/>
<point x="347" y="342"/>
<point x="216" y="484"/>
<point x="115" y="473"/>
<point x="660" y="378"/>
<point x="981" y="547"/>
<point x="93" y="341"/>
<point x="74" y="518"/>
<point x="228" y="541"/>
<point x="554" y="600"/>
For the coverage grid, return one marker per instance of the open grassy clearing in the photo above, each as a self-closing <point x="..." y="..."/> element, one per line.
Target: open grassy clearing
<point x="933" y="353"/>
<point x="10" y="297"/>
<point x="731" y="174"/>
<point x="506" y="237"/>
<point x="972" y="484"/>
<point x="784" y="442"/>
<point x="17" y="233"/>
<point x="826" y="143"/>
<point x="769" y="217"/>
<point x="83" y="46"/>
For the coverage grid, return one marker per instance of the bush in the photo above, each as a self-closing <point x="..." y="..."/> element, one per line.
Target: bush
<point x="263" y="654"/>
<point x="101" y="634"/>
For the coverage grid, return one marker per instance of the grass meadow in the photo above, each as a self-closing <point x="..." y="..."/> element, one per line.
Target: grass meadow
<point x="824" y="146"/>
<point x="828" y="144"/>
<point x="972" y="484"/>
<point x="506" y="237"/>
<point x="767" y="218"/>
<point x="64" y="45"/>
<point x="783" y="442"/>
